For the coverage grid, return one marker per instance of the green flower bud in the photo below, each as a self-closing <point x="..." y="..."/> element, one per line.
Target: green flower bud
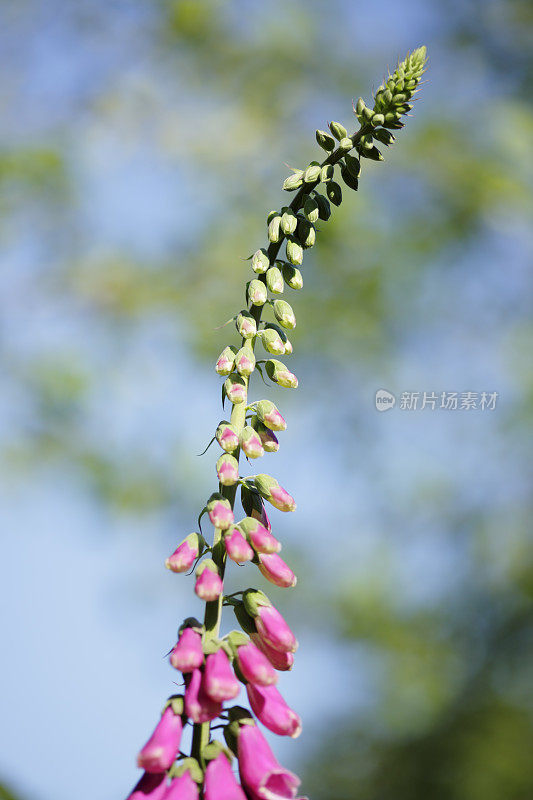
<point x="225" y="361"/>
<point x="288" y="222"/>
<point x="269" y="415"/>
<point x="227" y="468"/>
<point x="274" y="280"/>
<point x="256" y="292"/>
<point x="312" y="173"/>
<point x="293" y="276"/>
<point x="326" y="173"/>
<point x="366" y="142"/>
<point x="245" y="361"/>
<point x="349" y="179"/>
<point x="310" y="209"/>
<point x="280" y="374"/>
<point x="294" y="251"/>
<point x="378" y="119"/>
<point x="325" y="141"/>
<point x="306" y="232"/>
<point x="359" y="107"/>
<point x="346" y="144"/>
<point x="373" y="154"/>
<point x="352" y="164"/>
<point x="293" y="182"/>
<point x="324" y="208"/>
<point x="273" y="229"/>
<point x="275" y="327"/>
<point x="272" y="341"/>
<point x="260" y="261"/>
<point x="384" y="136"/>
<point x="338" y="130"/>
<point x="246" y="325"/>
<point x="334" y="193"/>
<point x="227" y="436"/>
<point x="235" y="388"/>
<point x="284" y="314"/>
<point x="367" y="114"/>
<point x="253" y="599"/>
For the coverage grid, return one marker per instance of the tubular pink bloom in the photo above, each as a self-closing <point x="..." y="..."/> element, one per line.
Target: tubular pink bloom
<point x="261" y="775"/>
<point x="185" y="554"/>
<point x="270" y="416"/>
<point x="208" y="585"/>
<point x="280" y="661"/>
<point x="221" y="515"/>
<point x="273" y="629"/>
<point x="262" y="540"/>
<point x="237" y="547"/>
<point x="187" y="654"/>
<point x="219" y="682"/>
<point x="220" y="782"/>
<point x="271" y="709"/>
<point x="227" y="437"/>
<point x="280" y="498"/>
<point x="275" y="570"/>
<point x="199" y="707"/>
<point x="255" y="666"/>
<point x="150" y="787"/>
<point x="162" y="747"/>
<point x="227" y="470"/>
<point x="182" y="788"/>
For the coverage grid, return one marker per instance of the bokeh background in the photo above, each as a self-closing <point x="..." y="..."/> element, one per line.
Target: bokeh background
<point x="142" y="145"/>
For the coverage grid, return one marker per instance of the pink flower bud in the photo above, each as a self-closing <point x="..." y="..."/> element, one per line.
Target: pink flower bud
<point x="261" y="775"/>
<point x="220" y="513"/>
<point x="245" y="361"/>
<point x="225" y="361"/>
<point x="150" y="787"/>
<point x="220" y="782"/>
<point x="280" y="661"/>
<point x="273" y="629"/>
<point x="257" y="292"/>
<point x="251" y="443"/>
<point x="278" y="372"/>
<point x="246" y="325"/>
<point x="187" y="654"/>
<point x="275" y="570"/>
<point x="268" y="438"/>
<point x="269" y="414"/>
<point x="227" y="437"/>
<point x="183" y="788"/>
<point x="270" y="489"/>
<point x="260" y="538"/>
<point x="227" y="470"/>
<point x="208" y="585"/>
<point x="255" y="666"/>
<point x="199" y="707"/>
<point x="271" y="709"/>
<point x="185" y="554"/>
<point x="237" y="547"/>
<point x="219" y="681"/>
<point x="161" y="749"/>
<point x="235" y="388"/>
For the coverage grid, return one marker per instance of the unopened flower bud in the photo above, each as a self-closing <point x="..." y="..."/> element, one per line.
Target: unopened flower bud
<point x="312" y="173"/>
<point x="250" y="442"/>
<point x="219" y="681"/>
<point x="219" y="510"/>
<point x="185" y="554"/>
<point x="334" y="193"/>
<point x="259" y="537"/>
<point x="275" y="570"/>
<point x="256" y="293"/>
<point x="359" y="107"/>
<point x="227" y="437"/>
<point x="187" y="654"/>
<point x="346" y="144"/>
<point x="235" y="388"/>
<point x="237" y="547"/>
<point x="338" y="130"/>
<point x="274" y="229"/>
<point x="255" y="666"/>
<point x="378" y="119"/>
<point x="225" y="361"/>
<point x="269" y="488"/>
<point x="245" y="361"/>
<point x="274" y="280"/>
<point x="293" y="276"/>
<point x="272" y="341"/>
<point x="246" y="325"/>
<point x="227" y="470"/>
<point x="284" y="314"/>
<point x="208" y="585"/>
<point x="269" y="623"/>
<point x="293" y="182"/>
<point x="270" y="416"/>
<point x="311" y="209"/>
<point x="288" y="221"/>
<point x="326" y="173"/>
<point x="294" y="251"/>
<point x="384" y="136"/>
<point x="162" y="747"/>
<point x="268" y="438"/>
<point x="306" y="232"/>
<point x="271" y="709"/>
<point x="260" y="261"/>
<point x="325" y="141"/>
<point x="281" y="661"/>
<point x="278" y="372"/>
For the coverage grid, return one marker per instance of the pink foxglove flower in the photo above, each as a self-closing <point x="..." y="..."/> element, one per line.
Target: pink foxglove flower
<point x="259" y="536"/>
<point x="281" y="661"/>
<point x="269" y="440"/>
<point x="273" y="629"/>
<point x="225" y="361"/>
<point x="182" y="788"/>
<point x="208" y="585"/>
<point x="220" y="782"/>
<point x="151" y="786"/>
<point x="261" y="774"/>
<point x="250" y="442"/>
<point x="219" y="682"/>
<point x="255" y="666"/>
<point x="187" y="654"/>
<point x="227" y="437"/>
<point x="275" y="570"/>
<point x="270" y="489"/>
<point x="220" y="513"/>
<point x="237" y="547"/>
<point x="235" y="388"/>
<point x="271" y="709"/>
<point x="245" y="361"/>
<point x="270" y="416"/>
<point x="199" y="707"/>
<point x="227" y="470"/>
<point x="185" y="554"/>
<point x="161" y="749"/>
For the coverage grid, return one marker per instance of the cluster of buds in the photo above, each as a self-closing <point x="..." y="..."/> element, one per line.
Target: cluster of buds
<point x="217" y="667"/>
